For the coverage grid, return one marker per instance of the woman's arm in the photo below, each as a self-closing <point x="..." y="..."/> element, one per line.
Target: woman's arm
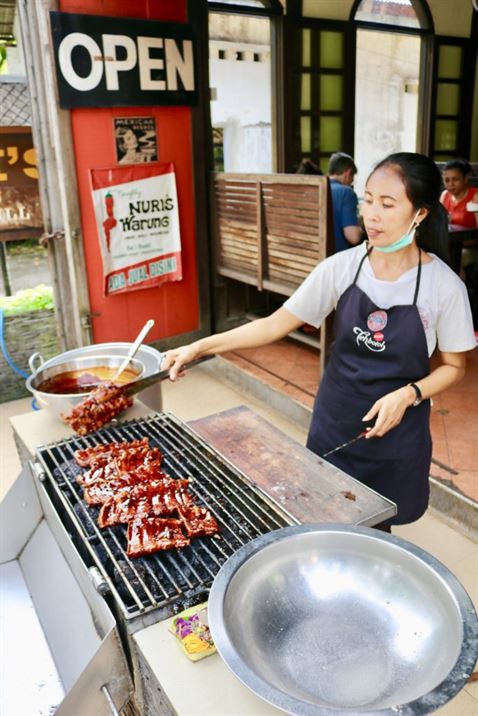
<point x="389" y="410"/>
<point x="256" y="333"/>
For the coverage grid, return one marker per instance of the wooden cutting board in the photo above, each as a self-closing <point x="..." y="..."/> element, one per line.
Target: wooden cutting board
<point x="308" y="487"/>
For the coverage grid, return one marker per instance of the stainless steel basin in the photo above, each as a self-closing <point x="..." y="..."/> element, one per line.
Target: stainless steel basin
<point x="59" y="404"/>
<point x="331" y="619"/>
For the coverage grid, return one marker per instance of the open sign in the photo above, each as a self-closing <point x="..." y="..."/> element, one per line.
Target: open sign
<point x="117" y="62"/>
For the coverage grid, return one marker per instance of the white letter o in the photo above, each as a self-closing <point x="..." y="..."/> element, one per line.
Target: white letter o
<point x="83" y="84"/>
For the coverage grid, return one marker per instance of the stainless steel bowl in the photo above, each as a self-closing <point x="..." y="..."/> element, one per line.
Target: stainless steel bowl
<point x="329" y="620"/>
<point x="149" y="356"/>
<point x="59" y="404"/>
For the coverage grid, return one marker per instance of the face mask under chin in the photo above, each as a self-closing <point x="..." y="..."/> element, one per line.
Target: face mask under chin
<point x="403" y="241"/>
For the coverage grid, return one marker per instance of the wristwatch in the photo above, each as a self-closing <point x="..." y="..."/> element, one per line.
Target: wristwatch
<point x="418" y="392"/>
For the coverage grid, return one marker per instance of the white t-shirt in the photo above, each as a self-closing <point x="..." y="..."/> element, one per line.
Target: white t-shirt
<point x="442" y="299"/>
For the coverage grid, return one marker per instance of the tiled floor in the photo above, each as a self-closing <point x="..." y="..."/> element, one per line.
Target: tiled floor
<point x="200" y="394"/>
<point x="293" y="368"/>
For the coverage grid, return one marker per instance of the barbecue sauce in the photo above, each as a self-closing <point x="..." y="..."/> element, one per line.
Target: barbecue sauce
<point x="84" y="381"/>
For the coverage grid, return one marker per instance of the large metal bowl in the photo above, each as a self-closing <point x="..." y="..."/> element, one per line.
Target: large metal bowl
<point x="329" y="620"/>
<point x="149" y="356"/>
<point x="59" y="404"/>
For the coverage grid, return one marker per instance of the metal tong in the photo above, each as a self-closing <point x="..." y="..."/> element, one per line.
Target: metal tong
<point x="137" y="386"/>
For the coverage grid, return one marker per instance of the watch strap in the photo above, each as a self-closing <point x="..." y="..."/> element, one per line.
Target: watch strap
<point x="418" y="393"/>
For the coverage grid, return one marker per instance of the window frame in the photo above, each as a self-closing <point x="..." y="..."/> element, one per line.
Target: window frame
<point x="465" y="82"/>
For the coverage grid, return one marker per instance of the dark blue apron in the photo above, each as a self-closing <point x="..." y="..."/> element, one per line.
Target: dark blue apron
<point x="375" y="352"/>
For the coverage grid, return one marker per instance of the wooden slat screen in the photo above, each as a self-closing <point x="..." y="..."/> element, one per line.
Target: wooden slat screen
<point x="270" y="229"/>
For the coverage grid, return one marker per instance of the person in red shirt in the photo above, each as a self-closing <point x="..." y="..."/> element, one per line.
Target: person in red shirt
<point x="458" y="194"/>
<point x="461" y="202"/>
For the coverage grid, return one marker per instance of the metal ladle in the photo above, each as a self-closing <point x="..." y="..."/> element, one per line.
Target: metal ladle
<point x="132" y="351"/>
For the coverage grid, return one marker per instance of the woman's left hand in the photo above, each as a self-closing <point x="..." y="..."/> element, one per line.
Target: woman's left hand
<point x="388" y="411"/>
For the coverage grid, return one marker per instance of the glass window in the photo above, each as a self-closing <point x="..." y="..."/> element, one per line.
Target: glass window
<point x="241" y="104"/>
<point x="330" y="92"/>
<point x="330" y="134"/>
<point x="305" y="135"/>
<point x="7" y="20"/>
<point x="388" y="12"/>
<point x="331" y="50"/>
<point x="448" y="98"/>
<point x="306" y="48"/>
<point x="445" y="134"/>
<point x="305" y="92"/>
<point x="449" y="63"/>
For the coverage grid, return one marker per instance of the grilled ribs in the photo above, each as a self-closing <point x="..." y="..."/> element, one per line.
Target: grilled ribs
<point x="197" y="521"/>
<point x="98" y="492"/>
<point x="151" y="534"/>
<point x="127" y="481"/>
<point x="86" y="456"/>
<point x="102" y="405"/>
<point x="156" y="498"/>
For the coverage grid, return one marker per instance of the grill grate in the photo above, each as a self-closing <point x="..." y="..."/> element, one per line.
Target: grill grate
<point x="176" y="578"/>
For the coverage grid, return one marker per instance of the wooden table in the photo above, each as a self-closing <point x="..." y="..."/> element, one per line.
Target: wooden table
<point x="458" y="235"/>
<point x="307" y="486"/>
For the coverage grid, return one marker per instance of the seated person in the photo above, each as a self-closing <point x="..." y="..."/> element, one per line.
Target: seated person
<point x="458" y="194"/>
<point x="344" y="201"/>
<point x="307" y="166"/>
<point x="458" y="199"/>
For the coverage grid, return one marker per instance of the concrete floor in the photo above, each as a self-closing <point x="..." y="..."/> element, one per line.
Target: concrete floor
<point x="199" y="394"/>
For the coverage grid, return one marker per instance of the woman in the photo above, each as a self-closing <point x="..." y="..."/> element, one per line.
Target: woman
<point x="458" y="200"/>
<point x="129" y="144"/>
<point x="458" y="195"/>
<point x="395" y="300"/>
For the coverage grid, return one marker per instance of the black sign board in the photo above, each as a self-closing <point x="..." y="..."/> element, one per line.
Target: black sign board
<point x="122" y="62"/>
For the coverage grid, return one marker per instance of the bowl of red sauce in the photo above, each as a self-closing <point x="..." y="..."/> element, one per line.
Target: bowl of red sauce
<point x="58" y="387"/>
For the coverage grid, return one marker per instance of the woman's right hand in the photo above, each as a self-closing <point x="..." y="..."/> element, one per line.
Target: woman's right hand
<point x="177" y="358"/>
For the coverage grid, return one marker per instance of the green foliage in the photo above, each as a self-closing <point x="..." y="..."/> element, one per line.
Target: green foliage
<point x="39" y="298"/>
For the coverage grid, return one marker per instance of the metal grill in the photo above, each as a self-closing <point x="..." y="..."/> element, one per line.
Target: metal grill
<point x="176" y="578"/>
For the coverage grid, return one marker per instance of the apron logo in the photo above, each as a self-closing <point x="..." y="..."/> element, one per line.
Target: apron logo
<point x="377" y="321"/>
<point x="365" y="337"/>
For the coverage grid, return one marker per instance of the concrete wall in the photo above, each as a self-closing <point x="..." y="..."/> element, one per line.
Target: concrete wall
<point x="386" y="98"/>
<point x="240" y="77"/>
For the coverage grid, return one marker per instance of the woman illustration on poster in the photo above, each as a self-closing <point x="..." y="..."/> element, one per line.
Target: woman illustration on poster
<point x="135" y="140"/>
<point x="128" y="143"/>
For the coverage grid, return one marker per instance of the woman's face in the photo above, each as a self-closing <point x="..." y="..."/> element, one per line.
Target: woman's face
<point x="129" y="139"/>
<point x="387" y="211"/>
<point x="455" y="181"/>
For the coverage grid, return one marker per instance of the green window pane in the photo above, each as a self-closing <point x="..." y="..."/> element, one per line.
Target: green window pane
<point x="449" y="63"/>
<point x="448" y="98"/>
<point x="331" y="49"/>
<point x="306" y="48"/>
<point x="330" y="92"/>
<point x="305" y="137"/>
<point x="330" y="134"/>
<point x="324" y="164"/>
<point x="445" y="134"/>
<point x="305" y="91"/>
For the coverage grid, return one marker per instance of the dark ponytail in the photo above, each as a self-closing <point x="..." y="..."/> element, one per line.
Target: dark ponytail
<point x="423" y="185"/>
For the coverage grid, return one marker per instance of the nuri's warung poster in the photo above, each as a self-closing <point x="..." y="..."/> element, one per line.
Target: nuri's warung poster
<point x="136" y="210"/>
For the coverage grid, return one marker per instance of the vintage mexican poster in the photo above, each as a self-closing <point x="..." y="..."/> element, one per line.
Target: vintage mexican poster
<point x="136" y="140"/>
<point x="137" y="217"/>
